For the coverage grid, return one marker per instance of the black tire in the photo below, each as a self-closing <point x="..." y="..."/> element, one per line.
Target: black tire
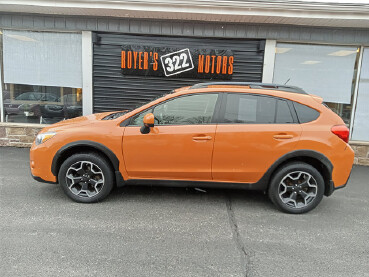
<point x="297" y="197"/>
<point x="90" y="191"/>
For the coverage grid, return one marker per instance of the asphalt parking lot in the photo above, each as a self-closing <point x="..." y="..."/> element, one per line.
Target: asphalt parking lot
<point x="146" y="231"/>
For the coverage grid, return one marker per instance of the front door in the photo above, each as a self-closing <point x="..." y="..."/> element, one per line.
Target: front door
<point x="180" y="145"/>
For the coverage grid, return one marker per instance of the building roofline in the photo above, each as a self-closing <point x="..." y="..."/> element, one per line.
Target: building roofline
<point x="298" y="12"/>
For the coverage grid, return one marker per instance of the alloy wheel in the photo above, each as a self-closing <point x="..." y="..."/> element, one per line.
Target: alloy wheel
<point x="85" y="179"/>
<point x="298" y="189"/>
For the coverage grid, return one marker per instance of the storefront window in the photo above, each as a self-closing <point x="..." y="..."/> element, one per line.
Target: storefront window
<point x="323" y="70"/>
<point x="1" y="75"/>
<point x="360" y="129"/>
<point x="41" y="104"/>
<point x="42" y="76"/>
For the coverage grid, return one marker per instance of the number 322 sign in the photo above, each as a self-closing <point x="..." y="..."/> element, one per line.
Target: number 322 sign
<point x="177" y="62"/>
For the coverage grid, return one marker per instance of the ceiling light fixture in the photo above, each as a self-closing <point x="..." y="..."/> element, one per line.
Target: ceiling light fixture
<point x="311" y="62"/>
<point x="343" y="53"/>
<point x="281" y="50"/>
<point x="23" y="38"/>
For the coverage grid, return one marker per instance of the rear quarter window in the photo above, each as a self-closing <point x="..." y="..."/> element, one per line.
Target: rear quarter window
<point x="304" y="113"/>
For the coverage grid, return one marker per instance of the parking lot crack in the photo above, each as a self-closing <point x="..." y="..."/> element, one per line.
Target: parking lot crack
<point x="244" y="256"/>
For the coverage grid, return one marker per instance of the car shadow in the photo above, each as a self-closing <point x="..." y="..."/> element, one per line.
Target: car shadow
<point x="182" y="193"/>
<point x="159" y="194"/>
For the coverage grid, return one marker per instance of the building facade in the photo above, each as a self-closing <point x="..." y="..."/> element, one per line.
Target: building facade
<point x="61" y="61"/>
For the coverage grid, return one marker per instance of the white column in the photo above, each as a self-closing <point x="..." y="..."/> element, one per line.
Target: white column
<point x="356" y="91"/>
<point x="1" y="97"/>
<point x="87" y="88"/>
<point x="269" y="57"/>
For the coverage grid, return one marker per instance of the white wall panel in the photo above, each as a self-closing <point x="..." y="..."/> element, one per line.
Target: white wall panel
<point x="324" y="70"/>
<point x="42" y="58"/>
<point x="361" y="121"/>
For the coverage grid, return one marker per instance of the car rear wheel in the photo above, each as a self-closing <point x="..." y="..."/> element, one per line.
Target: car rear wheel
<point x="86" y="177"/>
<point x="296" y="188"/>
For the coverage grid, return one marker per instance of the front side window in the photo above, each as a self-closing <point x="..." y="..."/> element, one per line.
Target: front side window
<point x="186" y="110"/>
<point x="253" y="109"/>
<point x="137" y="119"/>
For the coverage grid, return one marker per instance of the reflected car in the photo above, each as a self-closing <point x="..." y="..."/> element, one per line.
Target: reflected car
<point x="272" y="138"/>
<point x="32" y="97"/>
<point x="68" y="108"/>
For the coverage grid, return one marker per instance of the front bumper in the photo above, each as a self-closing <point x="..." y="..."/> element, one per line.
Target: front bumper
<point x="40" y="163"/>
<point x="39" y="179"/>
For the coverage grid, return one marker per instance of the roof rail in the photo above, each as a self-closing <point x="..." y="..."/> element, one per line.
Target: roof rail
<point x="252" y="85"/>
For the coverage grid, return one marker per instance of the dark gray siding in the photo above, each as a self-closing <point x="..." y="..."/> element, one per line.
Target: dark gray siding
<point x="197" y="29"/>
<point x="113" y="91"/>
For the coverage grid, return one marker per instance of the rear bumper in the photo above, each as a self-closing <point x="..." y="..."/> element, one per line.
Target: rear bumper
<point x="331" y="188"/>
<point x="344" y="185"/>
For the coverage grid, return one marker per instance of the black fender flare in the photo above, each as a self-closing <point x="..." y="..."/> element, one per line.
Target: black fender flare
<point x="83" y="143"/>
<point x="264" y="181"/>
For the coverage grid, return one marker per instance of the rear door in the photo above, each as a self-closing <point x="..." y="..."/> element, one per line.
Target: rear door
<point x="255" y="130"/>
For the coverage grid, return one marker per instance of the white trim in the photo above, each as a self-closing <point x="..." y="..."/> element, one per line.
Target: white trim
<point x="286" y="8"/>
<point x="1" y="96"/>
<point x="310" y="13"/>
<point x="87" y="88"/>
<point x="356" y="90"/>
<point x="269" y="58"/>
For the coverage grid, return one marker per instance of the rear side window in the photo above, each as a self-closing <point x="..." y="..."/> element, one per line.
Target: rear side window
<point x="253" y="109"/>
<point x="305" y="113"/>
<point x="283" y="113"/>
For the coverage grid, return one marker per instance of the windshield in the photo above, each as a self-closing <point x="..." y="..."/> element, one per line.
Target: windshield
<point x="149" y="101"/>
<point x="115" y="115"/>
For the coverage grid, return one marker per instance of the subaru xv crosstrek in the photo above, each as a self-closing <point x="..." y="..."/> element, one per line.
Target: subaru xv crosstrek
<point x="267" y="137"/>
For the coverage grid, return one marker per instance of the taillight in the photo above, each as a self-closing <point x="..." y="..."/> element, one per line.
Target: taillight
<point x="342" y="132"/>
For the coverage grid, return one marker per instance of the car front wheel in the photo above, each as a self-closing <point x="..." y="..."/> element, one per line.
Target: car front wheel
<point x="296" y="188"/>
<point x="86" y="177"/>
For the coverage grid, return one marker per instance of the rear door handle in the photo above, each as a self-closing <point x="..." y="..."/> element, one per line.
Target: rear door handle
<point x="283" y="136"/>
<point x="202" y="138"/>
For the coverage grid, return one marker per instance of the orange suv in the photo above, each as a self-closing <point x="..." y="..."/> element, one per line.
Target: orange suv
<point x="267" y="137"/>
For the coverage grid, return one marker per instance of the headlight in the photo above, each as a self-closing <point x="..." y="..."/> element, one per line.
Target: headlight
<point x="41" y="138"/>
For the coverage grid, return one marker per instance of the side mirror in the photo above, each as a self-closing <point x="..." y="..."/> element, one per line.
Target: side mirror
<point x="148" y="121"/>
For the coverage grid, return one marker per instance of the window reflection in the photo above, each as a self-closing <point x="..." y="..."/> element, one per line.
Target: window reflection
<point x="325" y="70"/>
<point x="41" y="104"/>
<point x="186" y="110"/>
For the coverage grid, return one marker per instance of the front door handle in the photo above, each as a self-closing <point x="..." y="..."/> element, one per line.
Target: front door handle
<point x="283" y="136"/>
<point x="202" y="138"/>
